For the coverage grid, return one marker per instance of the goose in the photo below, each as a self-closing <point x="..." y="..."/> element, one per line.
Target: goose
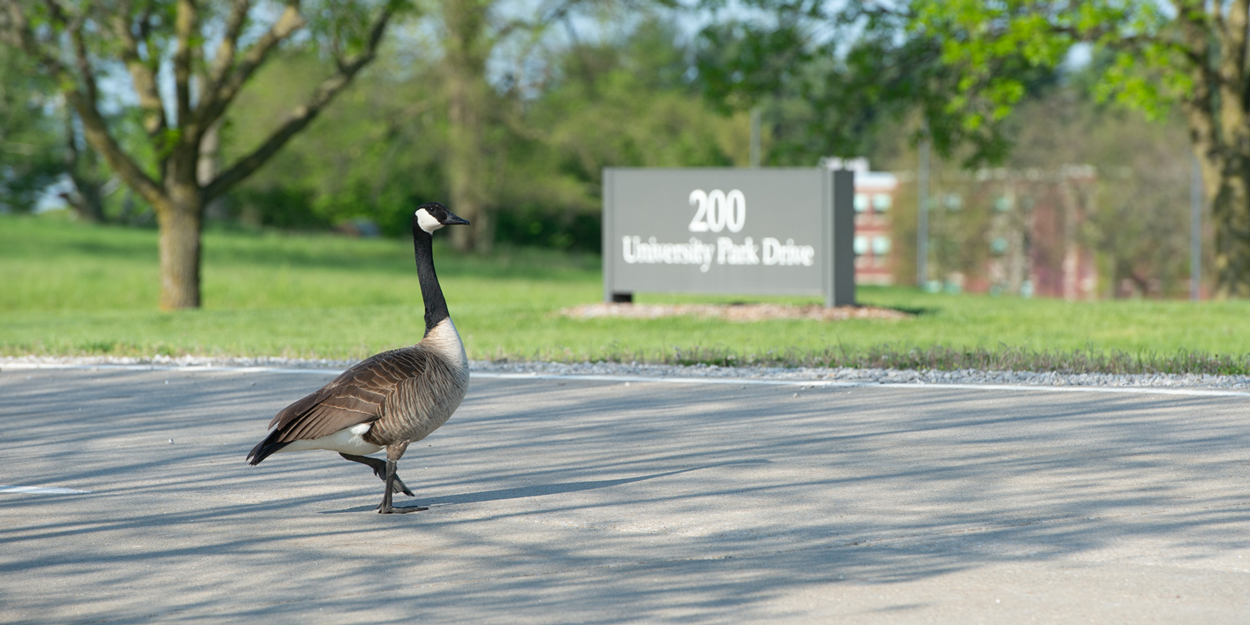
<point x="389" y="400"/>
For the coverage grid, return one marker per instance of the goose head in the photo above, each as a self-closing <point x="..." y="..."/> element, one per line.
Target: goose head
<point x="431" y="216"/>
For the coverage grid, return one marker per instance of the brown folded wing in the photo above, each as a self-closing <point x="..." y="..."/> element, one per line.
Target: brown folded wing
<point x="356" y="396"/>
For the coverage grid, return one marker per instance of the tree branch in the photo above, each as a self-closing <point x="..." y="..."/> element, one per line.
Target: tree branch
<point x="229" y="42"/>
<point x="222" y="92"/>
<point x="1235" y="36"/>
<point x="82" y="58"/>
<point x="1197" y="105"/>
<point x="95" y="128"/>
<point x="556" y="13"/>
<point x="1231" y="85"/>
<point x="141" y="74"/>
<point x="303" y="115"/>
<point x="184" y="28"/>
<point x="18" y="34"/>
<point x="57" y="11"/>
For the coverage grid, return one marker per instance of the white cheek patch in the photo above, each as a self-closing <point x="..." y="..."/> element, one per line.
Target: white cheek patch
<point x="427" y="222"/>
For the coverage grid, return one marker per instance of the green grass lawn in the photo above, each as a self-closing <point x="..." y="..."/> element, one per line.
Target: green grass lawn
<point x="74" y="289"/>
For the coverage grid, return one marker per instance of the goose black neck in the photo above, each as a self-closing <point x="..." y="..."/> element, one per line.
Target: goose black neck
<point x="431" y="292"/>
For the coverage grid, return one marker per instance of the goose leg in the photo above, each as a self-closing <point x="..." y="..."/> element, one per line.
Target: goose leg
<point x="379" y="469"/>
<point x="386" y="507"/>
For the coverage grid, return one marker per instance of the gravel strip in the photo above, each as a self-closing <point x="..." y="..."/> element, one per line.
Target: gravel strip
<point x="863" y="376"/>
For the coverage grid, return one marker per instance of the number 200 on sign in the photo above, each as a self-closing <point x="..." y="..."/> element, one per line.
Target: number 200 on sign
<point x="716" y="210"/>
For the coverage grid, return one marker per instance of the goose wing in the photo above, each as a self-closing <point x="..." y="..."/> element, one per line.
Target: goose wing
<point x="357" y="396"/>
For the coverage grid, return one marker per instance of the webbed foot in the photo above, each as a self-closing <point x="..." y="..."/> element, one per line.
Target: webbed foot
<point x="393" y="485"/>
<point x="399" y="509"/>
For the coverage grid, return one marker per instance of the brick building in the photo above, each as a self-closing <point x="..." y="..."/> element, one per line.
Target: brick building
<point x="876" y="195"/>
<point x="991" y="230"/>
<point x="1013" y="231"/>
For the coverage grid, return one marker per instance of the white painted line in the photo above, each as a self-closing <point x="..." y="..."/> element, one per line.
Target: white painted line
<point x="666" y="380"/>
<point x="41" y="490"/>
<point x="1138" y="390"/>
<point x="1129" y="390"/>
<point x="30" y="366"/>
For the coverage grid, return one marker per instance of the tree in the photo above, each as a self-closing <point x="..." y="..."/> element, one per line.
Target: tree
<point x="29" y="134"/>
<point x="831" y="78"/>
<point x="1191" y="53"/>
<point x="84" y="170"/>
<point x="590" y="101"/>
<point x="471" y="32"/>
<point x="626" y="102"/>
<point x="468" y="44"/>
<point x="211" y="51"/>
<point x="616" y="94"/>
<point x="373" y="152"/>
<point x="1138" y="216"/>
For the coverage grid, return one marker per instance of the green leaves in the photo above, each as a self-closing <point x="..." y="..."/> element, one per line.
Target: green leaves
<point x="739" y="63"/>
<point x="984" y="42"/>
<point x="31" y="133"/>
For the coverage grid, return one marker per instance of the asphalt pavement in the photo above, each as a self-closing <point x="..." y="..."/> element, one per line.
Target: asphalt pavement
<point x="125" y="498"/>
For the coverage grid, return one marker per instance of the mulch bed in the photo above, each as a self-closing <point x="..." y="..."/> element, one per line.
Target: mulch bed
<point x="732" y="312"/>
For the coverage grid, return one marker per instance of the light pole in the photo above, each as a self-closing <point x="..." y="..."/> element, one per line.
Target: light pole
<point x="1195" y="230"/>
<point x="922" y="215"/>
<point x="755" y="136"/>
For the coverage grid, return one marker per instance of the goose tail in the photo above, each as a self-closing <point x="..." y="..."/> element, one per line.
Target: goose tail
<point x="264" y="448"/>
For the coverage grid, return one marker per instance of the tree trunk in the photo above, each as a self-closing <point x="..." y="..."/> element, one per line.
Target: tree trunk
<point x="180" y="222"/>
<point x="1230" y="214"/>
<point x="465" y="65"/>
<point x="1216" y="112"/>
<point x="63" y="38"/>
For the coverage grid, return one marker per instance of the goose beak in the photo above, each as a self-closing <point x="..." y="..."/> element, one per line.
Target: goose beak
<point x="455" y="220"/>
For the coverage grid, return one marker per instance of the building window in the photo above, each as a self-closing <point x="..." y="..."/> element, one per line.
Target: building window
<point x="861" y="246"/>
<point x="880" y="246"/>
<point x="953" y="201"/>
<point x="998" y="245"/>
<point x="882" y="202"/>
<point x="861" y="202"/>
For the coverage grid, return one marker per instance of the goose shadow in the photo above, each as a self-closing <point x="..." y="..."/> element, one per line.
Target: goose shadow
<point x="542" y="490"/>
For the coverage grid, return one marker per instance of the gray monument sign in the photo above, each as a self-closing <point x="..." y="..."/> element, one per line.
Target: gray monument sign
<point x="732" y="231"/>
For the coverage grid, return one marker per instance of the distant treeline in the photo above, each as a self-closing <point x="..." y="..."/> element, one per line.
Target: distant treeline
<point x="605" y="97"/>
<point x="296" y="209"/>
<point x="516" y="137"/>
